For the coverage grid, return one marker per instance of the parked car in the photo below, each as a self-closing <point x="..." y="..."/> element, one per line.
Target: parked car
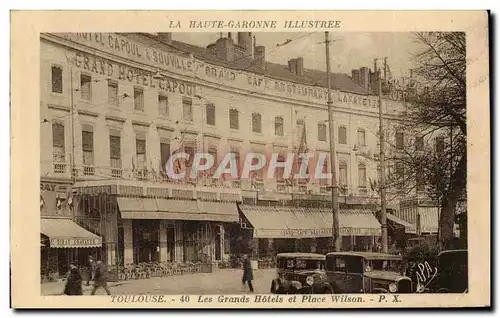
<point x="299" y="273"/>
<point x="366" y="272"/>
<point x="453" y="271"/>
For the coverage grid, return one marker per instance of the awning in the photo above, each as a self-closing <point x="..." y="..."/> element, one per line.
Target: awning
<point x="170" y="209"/>
<point x="409" y="228"/>
<point x="290" y="222"/>
<point x="428" y="220"/>
<point x="64" y="233"/>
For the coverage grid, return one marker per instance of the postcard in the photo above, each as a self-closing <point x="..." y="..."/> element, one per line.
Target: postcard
<point x="250" y="159"/>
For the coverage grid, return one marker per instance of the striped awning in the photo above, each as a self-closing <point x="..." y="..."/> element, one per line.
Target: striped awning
<point x="409" y="228"/>
<point x="292" y="222"/>
<point x="428" y="220"/>
<point x="170" y="209"/>
<point x="64" y="233"/>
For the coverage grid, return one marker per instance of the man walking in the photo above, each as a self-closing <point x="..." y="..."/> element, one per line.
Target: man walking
<point x="99" y="274"/>
<point x="247" y="272"/>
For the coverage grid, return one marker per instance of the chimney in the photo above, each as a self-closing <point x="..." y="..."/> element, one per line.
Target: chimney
<point x="260" y="56"/>
<point x="355" y="76"/>
<point x="245" y="40"/>
<point x="164" y="37"/>
<point x="292" y="66"/>
<point x="299" y="64"/>
<point x="364" y="74"/>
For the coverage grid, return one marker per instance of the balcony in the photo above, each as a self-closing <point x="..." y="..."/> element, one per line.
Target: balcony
<point x="116" y="173"/>
<point x="141" y="174"/>
<point x="88" y="170"/>
<point x="59" y="168"/>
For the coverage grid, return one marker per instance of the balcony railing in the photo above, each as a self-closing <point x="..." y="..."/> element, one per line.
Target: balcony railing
<point x="117" y="173"/>
<point x="88" y="170"/>
<point x="59" y="168"/>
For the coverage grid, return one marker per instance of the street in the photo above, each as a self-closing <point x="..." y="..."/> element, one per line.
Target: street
<point x="224" y="281"/>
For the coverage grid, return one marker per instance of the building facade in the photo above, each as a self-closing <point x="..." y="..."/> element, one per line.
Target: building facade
<point x="115" y="107"/>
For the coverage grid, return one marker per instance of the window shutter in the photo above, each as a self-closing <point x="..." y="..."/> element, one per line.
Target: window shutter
<point x="140" y="145"/>
<point x="58" y="135"/>
<point x="210" y="114"/>
<point x="57" y="85"/>
<point x="115" y="147"/>
<point x="88" y="141"/>
<point x="342" y="135"/>
<point x="233" y="119"/>
<point x="165" y="154"/>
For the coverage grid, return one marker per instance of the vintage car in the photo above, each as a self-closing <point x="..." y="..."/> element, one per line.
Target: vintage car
<point x="299" y="273"/>
<point x="452" y="272"/>
<point x="365" y="272"/>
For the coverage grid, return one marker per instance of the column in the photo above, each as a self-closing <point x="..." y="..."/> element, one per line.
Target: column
<point x="163" y="241"/>
<point x="179" y="242"/>
<point x="128" y="243"/>
<point x="222" y="235"/>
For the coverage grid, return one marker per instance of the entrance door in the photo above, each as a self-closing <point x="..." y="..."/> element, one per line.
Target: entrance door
<point x="171" y="244"/>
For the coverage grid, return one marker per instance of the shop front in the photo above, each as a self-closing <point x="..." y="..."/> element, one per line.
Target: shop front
<point x="64" y="242"/>
<point x="174" y="230"/>
<point x="293" y="229"/>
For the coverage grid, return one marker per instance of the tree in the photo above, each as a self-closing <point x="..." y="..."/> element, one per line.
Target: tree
<point x="437" y="113"/>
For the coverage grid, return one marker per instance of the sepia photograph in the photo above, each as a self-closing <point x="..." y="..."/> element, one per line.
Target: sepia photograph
<point x="322" y="165"/>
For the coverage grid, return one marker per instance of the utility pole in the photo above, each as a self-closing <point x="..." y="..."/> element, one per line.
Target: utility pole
<point x="335" y="189"/>
<point x="383" y="215"/>
<point x="72" y="115"/>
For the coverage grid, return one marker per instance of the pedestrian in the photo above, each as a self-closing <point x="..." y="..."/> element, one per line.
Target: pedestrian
<point x="247" y="273"/>
<point x="99" y="276"/>
<point x="73" y="282"/>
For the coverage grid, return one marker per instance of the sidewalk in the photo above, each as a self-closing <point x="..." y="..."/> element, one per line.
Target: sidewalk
<point x="57" y="288"/>
<point x="221" y="281"/>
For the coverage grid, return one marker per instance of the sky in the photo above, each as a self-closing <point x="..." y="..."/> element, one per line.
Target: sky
<point x="349" y="50"/>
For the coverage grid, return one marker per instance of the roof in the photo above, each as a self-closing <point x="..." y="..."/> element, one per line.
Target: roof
<point x="452" y="252"/>
<point x="338" y="81"/>
<point x="369" y="255"/>
<point x="302" y="255"/>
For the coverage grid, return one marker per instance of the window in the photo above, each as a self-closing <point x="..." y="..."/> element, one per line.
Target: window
<point x="115" y="150"/>
<point x="236" y="152"/>
<point x="88" y="147"/>
<point x="439" y="144"/>
<point x="59" y="152"/>
<point x="86" y="87"/>
<point x="190" y="151"/>
<point x="362" y="175"/>
<point x="138" y="99"/>
<point x="280" y="171"/>
<point x="164" y="155"/>
<point x="321" y="132"/>
<point x="256" y="123"/>
<point x="419" y="143"/>
<point x="361" y="138"/>
<point x="210" y="114"/>
<point x="400" y="139"/>
<point x="187" y="109"/>
<point x="163" y="105"/>
<point x="342" y="135"/>
<point x="234" y="122"/>
<point x="343" y="174"/>
<point x="140" y="150"/>
<point x="301" y="132"/>
<point x="213" y="151"/>
<point x="399" y="171"/>
<point x="324" y="181"/>
<point x="57" y="83"/>
<point x="113" y="93"/>
<point x="278" y="126"/>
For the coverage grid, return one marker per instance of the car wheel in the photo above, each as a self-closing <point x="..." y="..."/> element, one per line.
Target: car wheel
<point x="328" y="290"/>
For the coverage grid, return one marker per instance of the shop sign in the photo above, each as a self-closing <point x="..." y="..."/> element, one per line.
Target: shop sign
<point x="74" y="242"/>
<point x="306" y="232"/>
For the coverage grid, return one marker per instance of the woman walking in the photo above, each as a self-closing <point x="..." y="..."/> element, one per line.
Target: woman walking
<point x="73" y="282"/>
